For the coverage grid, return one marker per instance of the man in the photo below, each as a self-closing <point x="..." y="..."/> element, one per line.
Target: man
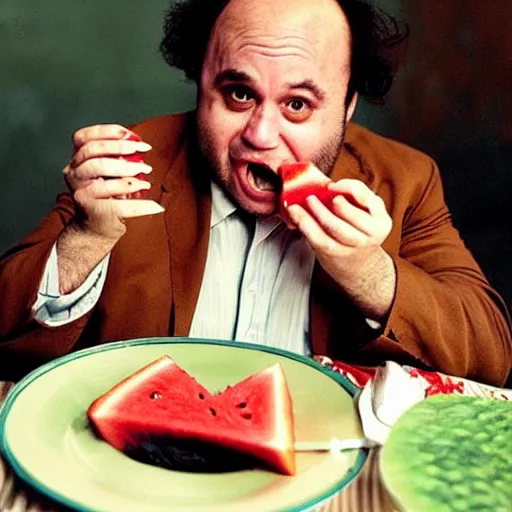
<point x="205" y="254"/>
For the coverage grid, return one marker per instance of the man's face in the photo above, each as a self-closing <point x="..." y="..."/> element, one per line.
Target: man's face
<point x="273" y="90"/>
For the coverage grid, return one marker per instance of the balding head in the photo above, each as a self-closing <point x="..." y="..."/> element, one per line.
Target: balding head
<point x="322" y="23"/>
<point x="374" y="34"/>
<point x="282" y="12"/>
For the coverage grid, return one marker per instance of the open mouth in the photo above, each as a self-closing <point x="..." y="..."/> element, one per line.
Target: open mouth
<point x="262" y="177"/>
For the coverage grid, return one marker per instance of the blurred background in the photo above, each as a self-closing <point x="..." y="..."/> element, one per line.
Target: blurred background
<point x="65" y="65"/>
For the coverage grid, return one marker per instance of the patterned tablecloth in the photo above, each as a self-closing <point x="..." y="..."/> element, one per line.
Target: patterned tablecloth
<point x="364" y="493"/>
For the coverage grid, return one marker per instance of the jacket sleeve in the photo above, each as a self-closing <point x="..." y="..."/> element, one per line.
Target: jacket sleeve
<point x="445" y="314"/>
<point x="21" y="269"/>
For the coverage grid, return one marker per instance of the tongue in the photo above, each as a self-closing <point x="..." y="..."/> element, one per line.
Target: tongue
<point x="262" y="184"/>
<point x="262" y="178"/>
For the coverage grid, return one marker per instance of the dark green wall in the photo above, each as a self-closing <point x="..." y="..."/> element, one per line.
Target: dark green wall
<point x="64" y="65"/>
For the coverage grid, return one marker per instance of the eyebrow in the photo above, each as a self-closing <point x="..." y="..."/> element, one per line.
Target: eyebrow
<point x="310" y="86"/>
<point x="234" y="75"/>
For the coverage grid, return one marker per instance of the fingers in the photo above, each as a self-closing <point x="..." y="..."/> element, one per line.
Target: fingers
<point x="104" y="168"/>
<point x="370" y="220"/>
<point x="107" y="148"/>
<point x="96" y="200"/>
<point x="327" y="233"/>
<point x="128" y="208"/>
<point x="116" y="188"/>
<point x="358" y="194"/>
<point x="105" y="151"/>
<point x="109" y="140"/>
<point x="356" y="218"/>
<point x="358" y="205"/>
<point x="346" y="223"/>
<point x="343" y="208"/>
<point x="102" y="132"/>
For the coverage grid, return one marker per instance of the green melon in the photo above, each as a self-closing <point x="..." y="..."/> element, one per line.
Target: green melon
<point x="451" y="453"/>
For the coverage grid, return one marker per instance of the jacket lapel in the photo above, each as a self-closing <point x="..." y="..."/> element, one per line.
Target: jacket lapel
<point x="155" y="272"/>
<point x="187" y="200"/>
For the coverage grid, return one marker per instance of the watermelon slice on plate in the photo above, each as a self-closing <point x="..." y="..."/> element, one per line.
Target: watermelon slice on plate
<point x="161" y="415"/>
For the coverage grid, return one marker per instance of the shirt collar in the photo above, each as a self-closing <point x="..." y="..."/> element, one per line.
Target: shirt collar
<point x="222" y="206"/>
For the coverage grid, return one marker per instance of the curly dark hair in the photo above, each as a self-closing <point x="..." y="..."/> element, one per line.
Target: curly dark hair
<point x="375" y="37"/>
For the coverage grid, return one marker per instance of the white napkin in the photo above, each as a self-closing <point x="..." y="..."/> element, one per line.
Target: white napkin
<point x="385" y="397"/>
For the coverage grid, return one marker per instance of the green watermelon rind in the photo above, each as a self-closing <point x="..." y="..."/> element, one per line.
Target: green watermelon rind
<point x="32" y="480"/>
<point x="451" y="453"/>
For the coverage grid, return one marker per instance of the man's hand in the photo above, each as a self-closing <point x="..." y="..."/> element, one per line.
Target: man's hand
<point x="100" y="180"/>
<point x="347" y="242"/>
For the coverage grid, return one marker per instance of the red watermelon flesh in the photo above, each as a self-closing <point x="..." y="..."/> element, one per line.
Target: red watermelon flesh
<point x="137" y="158"/>
<point x="163" y="416"/>
<point x="301" y="180"/>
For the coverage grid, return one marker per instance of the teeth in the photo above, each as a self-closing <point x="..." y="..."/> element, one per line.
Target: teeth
<point x="262" y="184"/>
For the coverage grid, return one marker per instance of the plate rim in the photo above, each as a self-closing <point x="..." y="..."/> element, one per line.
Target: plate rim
<point x="18" y="468"/>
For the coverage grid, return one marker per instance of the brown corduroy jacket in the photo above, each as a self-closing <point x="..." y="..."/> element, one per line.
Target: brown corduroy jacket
<point x="444" y="316"/>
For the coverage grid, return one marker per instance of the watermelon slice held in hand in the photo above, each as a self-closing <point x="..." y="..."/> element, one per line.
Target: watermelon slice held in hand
<point x="137" y="158"/>
<point x="301" y="180"/>
<point x="163" y="416"/>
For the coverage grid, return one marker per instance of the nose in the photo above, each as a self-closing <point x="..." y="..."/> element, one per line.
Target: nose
<point x="262" y="129"/>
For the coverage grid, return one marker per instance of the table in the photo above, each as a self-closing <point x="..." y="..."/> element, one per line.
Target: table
<point x="365" y="493"/>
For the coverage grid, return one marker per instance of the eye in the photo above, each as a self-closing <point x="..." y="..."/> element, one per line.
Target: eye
<point x="239" y="98"/>
<point x="241" y="94"/>
<point x="297" y="110"/>
<point x="297" y="105"/>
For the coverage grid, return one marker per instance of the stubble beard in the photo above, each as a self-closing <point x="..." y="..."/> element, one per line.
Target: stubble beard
<point x="330" y="151"/>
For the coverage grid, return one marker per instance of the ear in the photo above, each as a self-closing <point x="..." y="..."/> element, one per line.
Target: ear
<point x="352" y="106"/>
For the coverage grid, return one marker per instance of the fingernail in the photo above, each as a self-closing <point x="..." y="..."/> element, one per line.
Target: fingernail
<point x="144" y="146"/>
<point x="156" y="208"/>
<point x="144" y="182"/>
